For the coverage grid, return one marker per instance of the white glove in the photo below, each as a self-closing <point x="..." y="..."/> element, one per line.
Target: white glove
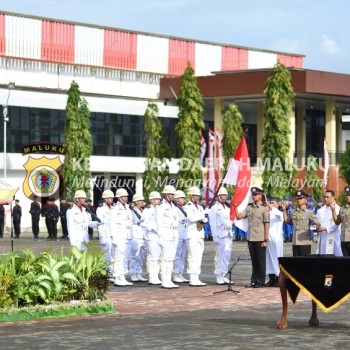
<point x="101" y="223"/>
<point x="205" y="220"/>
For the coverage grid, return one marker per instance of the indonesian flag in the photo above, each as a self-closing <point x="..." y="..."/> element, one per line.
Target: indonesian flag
<point x="325" y="165"/>
<point x="239" y="175"/>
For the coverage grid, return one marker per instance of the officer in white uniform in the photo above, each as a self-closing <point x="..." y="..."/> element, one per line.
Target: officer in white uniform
<point x="149" y="223"/>
<point x="181" y="251"/>
<point x="274" y="249"/>
<point x="78" y="221"/>
<point x="168" y="231"/>
<point x="221" y="229"/>
<point x="104" y="213"/>
<point x="121" y="238"/>
<point x="195" y="235"/>
<point x="138" y="243"/>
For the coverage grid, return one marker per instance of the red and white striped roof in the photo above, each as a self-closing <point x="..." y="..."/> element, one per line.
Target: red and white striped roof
<point x="58" y="41"/>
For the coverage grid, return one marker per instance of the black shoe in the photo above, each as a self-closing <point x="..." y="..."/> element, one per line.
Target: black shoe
<point x="252" y="285"/>
<point x="259" y="285"/>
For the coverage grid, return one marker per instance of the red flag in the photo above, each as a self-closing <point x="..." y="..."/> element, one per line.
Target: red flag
<point x="325" y="165"/>
<point x="239" y="174"/>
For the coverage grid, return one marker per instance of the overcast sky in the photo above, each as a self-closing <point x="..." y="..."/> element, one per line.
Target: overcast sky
<point x="319" y="29"/>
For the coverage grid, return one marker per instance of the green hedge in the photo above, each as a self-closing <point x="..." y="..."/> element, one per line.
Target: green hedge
<point x="54" y="311"/>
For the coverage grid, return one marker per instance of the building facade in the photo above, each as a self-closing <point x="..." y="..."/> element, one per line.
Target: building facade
<point x="118" y="72"/>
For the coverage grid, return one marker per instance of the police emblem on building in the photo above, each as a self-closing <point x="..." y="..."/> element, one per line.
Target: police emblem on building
<point x="42" y="176"/>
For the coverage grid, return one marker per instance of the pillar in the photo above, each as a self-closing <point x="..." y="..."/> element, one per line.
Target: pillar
<point x="331" y="130"/>
<point x="139" y="184"/>
<point x="218" y="110"/>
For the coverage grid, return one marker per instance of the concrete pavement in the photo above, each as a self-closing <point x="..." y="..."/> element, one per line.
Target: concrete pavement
<point x="149" y="317"/>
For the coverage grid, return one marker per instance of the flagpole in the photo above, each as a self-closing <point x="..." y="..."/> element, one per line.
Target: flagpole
<point x="222" y="179"/>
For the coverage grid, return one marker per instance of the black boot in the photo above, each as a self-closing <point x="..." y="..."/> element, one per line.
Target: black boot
<point x="271" y="281"/>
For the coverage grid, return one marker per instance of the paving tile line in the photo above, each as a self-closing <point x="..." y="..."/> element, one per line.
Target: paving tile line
<point x="154" y="301"/>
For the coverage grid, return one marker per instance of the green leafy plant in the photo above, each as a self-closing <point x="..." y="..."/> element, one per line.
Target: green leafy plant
<point x="90" y="270"/>
<point x="188" y="128"/>
<point x="276" y="141"/>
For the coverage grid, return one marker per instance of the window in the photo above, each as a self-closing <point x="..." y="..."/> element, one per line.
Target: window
<point x="112" y="134"/>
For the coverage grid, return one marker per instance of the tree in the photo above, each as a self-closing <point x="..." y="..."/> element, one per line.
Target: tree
<point x="313" y="183"/>
<point x="232" y="131"/>
<point x="232" y="134"/>
<point x="188" y="128"/>
<point x="157" y="153"/>
<point x="276" y="144"/>
<point x="78" y="140"/>
<point x="344" y="167"/>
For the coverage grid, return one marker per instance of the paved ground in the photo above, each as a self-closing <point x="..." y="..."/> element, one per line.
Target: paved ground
<point x="149" y="317"/>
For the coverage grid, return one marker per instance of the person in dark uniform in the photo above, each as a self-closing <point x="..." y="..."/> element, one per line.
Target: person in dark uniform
<point x="288" y="228"/>
<point x="63" y="215"/>
<point x="2" y="220"/>
<point x="302" y="218"/>
<point x="16" y="218"/>
<point x="52" y="215"/>
<point x="35" y="211"/>
<point x="93" y="210"/>
<point x="258" y="236"/>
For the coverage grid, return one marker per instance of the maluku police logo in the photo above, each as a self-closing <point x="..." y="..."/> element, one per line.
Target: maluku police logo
<point x="42" y="176"/>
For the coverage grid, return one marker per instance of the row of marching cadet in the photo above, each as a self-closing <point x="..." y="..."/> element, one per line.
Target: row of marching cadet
<point x="167" y="235"/>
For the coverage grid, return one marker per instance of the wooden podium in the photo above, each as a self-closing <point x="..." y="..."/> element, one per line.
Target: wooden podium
<point x="325" y="278"/>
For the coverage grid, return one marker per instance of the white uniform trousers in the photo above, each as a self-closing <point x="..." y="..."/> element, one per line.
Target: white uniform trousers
<point x="195" y="247"/>
<point x="223" y="254"/>
<point x="121" y="255"/>
<point x="167" y="257"/>
<point x="153" y="257"/>
<point x="106" y="247"/>
<point x="180" y="257"/>
<point x="137" y="255"/>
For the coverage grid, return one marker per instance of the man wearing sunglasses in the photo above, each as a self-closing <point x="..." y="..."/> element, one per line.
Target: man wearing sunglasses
<point x="302" y="218"/>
